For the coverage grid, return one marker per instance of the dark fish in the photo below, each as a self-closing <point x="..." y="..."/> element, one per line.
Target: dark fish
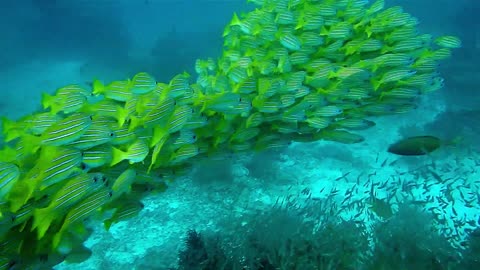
<point x="415" y="146"/>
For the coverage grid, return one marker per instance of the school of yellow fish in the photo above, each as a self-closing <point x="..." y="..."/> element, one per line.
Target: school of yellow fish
<point x="291" y="70"/>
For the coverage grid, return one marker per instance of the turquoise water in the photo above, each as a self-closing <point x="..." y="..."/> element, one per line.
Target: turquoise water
<point x="265" y="206"/>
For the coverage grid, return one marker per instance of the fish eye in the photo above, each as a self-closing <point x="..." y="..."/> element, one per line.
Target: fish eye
<point x="194" y="137"/>
<point x="110" y="194"/>
<point x="13" y="218"/>
<point x="95" y="179"/>
<point x="83" y="166"/>
<point x="111" y="134"/>
<point x="91" y="117"/>
<point x="104" y="178"/>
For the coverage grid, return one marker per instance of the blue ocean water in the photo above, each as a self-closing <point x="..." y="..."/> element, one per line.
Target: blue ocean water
<point x="262" y="205"/>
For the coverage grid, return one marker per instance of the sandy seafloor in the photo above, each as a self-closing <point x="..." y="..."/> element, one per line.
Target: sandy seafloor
<point x="165" y="37"/>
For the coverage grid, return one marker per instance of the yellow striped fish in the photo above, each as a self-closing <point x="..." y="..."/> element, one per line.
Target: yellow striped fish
<point x="61" y="133"/>
<point x="126" y="211"/>
<point x="97" y="156"/>
<point x="123" y="182"/>
<point x="142" y="83"/>
<point x="136" y="152"/>
<point x="81" y="211"/>
<point x="96" y="134"/>
<point x="9" y="174"/>
<point x="72" y="192"/>
<point x="451" y="42"/>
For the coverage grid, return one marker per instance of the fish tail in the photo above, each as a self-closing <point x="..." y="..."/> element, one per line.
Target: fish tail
<point x="98" y="87"/>
<point x="56" y="239"/>
<point x="47" y="100"/>
<point x="118" y="156"/>
<point x="323" y="31"/>
<point x="42" y="218"/>
<point x="376" y="84"/>
<point x="121" y="115"/>
<point x="134" y="123"/>
<point x="235" y="19"/>
<point x="107" y="224"/>
<point x="158" y="135"/>
<point x="155" y="153"/>
<point x="20" y="194"/>
<point x="7" y="124"/>
<point x="385" y="49"/>
<point x="30" y="143"/>
<point x="13" y="134"/>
